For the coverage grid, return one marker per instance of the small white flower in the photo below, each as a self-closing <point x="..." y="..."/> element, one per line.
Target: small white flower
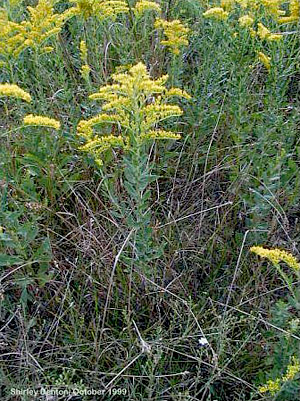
<point x="203" y="341"/>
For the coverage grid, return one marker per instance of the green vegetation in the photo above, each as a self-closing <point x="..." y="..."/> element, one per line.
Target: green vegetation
<point x="149" y="200"/>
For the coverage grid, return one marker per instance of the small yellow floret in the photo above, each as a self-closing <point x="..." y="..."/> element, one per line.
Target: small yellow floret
<point x="12" y="90"/>
<point x="47" y="49"/>
<point x="217" y="13"/>
<point x="276" y="256"/>
<point x="160" y="134"/>
<point x="83" y="50"/>
<point x="178" y="92"/>
<point x="266" y="60"/>
<point x="85" y="71"/>
<point x="43" y="121"/>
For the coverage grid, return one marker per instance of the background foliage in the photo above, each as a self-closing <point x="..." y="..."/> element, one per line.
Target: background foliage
<point x="74" y="308"/>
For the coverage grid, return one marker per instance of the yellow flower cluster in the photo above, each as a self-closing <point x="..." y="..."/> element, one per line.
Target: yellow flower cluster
<point x="175" y="32"/>
<point x="271" y="7"/>
<point x="101" y="9"/>
<point x="143" y="6"/>
<point x="292" y="370"/>
<point x="83" y="50"/>
<point x="98" y="145"/>
<point x="42" y="121"/>
<point x="12" y="90"/>
<point x="273" y="386"/>
<point x="42" y="24"/>
<point x="276" y="256"/>
<point x="85" y="71"/>
<point x="265" y="60"/>
<point x="136" y="103"/>
<point x="250" y="14"/>
<point x="246" y="21"/>
<point x="216" y="12"/>
<point x="257" y="7"/>
<point x="264" y="33"/>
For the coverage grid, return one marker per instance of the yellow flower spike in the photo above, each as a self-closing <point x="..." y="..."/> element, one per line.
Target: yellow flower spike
<point x="42" y="121"/>
<point x="253" y="32"/>
<point x="178" y="92"/>
<point x="85" y="8"/>
<point x="216" y="12"/>
<point x="83" y="50"/>
<point x="85" y="126"/>
<point x="102" y="143"/>
<point x="143" y="6"/>
<point x="176" y="33"/>
<point x="12" y="90"/>
<point x="276" y="256"/>
<point x="85" y="71"/>
<point x="98" y="145"/>
<point x="160" y="134"/>
<point x="265" y="60"/>
<point x="47" y="49"/>
<point x="262" y="31"/>
<point x="274" y="37"/>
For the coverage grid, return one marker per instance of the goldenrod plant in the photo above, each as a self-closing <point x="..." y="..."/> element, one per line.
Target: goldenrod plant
<point x="137" y="105"/>
<point x="279" y="384"/>
<point x="176" y="34"/>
